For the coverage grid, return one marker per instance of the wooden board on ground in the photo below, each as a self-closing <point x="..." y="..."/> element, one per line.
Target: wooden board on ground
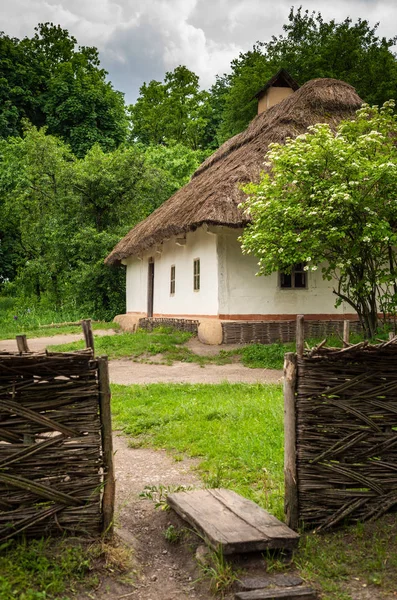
<point x="232" y="522"/>
<point x="300" y="593"/>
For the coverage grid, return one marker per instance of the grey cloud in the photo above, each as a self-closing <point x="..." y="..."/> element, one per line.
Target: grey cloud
<point x="139" y="40"/>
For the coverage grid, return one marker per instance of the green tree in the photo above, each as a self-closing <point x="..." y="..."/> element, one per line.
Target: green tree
<point x="175" y="111"/>
<point x="309" y="48"/>
<point x="176" y="162"/>
<point x="329" y="202"/>
<point x="49" y="81"/>
<point x="60" y="216"/>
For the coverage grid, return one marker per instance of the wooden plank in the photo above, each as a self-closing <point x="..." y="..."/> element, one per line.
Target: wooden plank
<point x="272" y="580"/>
<point x="302" y="593"/>
<point x="228" y="520"/>
<point x="291" y="505"/>
<point x="109" y="487"/>
<point x="254" y="515"/>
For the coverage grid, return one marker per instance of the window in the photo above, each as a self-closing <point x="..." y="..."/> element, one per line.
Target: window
<point x="172" y="280"/>
<point x="196" y="274"/>
<point x="297" y="279"/>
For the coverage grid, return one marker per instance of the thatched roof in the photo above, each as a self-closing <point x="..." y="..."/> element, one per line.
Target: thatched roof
<point x="212" y="196"/>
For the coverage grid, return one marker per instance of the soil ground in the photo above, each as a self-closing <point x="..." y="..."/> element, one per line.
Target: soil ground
<point x="127" y="372"/>
<point x="162" y="570"/>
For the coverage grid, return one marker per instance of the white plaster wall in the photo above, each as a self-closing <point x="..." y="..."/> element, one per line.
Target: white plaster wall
<point x="185" y="301"/>
<point x="242" y="293"/>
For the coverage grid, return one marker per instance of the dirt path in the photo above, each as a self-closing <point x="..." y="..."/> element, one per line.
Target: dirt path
<point x="41" y="343"/>
<point x="165" y="570"/>
<point x="128" y="372"/>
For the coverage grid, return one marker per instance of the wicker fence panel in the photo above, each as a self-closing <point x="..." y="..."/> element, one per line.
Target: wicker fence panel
<point x="270" y="332"/>
<point x="150" y="323"/>
<point x="51" y="468"/>
<point x="346" y="434"/>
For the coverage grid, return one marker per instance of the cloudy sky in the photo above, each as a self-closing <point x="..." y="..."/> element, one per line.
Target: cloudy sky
<point x="139" y="40"/>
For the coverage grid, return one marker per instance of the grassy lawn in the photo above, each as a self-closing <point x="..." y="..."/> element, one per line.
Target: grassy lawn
<point x="236" y="433"/>
<point x="223" y="425"/>
<point x="163" y="341"/>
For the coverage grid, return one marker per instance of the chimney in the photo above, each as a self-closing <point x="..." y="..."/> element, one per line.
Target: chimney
<point x="276" y="89"/>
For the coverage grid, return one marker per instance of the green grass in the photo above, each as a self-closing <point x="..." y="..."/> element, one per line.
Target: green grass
<point x="235" y="430"/>
<point x="163" y="341"/>
<point x="352" y="558"/>
<point x="39" y="322"/>
<point x="41" y="569"/>
<point x="57" y="568"/>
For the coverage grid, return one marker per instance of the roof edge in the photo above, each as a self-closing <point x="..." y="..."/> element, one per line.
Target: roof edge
<point x="115" y="257"/>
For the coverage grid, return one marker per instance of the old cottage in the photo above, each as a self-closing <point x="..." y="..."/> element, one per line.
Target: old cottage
<point x="184" y="263"/>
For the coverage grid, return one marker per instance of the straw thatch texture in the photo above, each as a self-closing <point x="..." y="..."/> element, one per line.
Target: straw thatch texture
<point x="212" y="196"/>
<point x="50" y="445"/>
<point x="346" y="434"/>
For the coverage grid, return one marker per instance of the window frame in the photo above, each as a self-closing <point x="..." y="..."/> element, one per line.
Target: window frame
<point x="172" y="280"/>
<point x="297" y="269"/>
<point x="196" y="274"/>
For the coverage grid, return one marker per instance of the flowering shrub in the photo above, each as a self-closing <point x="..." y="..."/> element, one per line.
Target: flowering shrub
<point x="329" y="200"/>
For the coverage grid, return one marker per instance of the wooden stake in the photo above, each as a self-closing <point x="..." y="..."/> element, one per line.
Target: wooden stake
<point x="109" y="487"/>
<point x="291" y="506"/>
<point x="346" y="332"/>
<point x="88" y="335"/>
<point x="300" y="335"/>
<point x="22" y="343"/>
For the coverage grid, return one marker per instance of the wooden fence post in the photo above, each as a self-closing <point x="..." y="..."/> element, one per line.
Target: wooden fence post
<point x="300" y="335"/>
<point x="22" y="343"/>
<point x="109" y="486"/>
<point x="346" y="332"/>
<point x="88" y="335"/>
<point x="291" y="507"/>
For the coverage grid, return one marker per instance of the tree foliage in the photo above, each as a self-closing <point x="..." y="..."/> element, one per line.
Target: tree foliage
<point x="61" y="216"/>
<point x="49" y="81"/>
<point x="175" y="111"/>
<point x="309" y="48"/>
<point x="329" y="202"/>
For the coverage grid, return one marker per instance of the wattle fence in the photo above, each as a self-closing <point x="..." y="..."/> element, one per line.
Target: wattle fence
<point x="56" y="470"/>
<point x="340" y="434"/>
